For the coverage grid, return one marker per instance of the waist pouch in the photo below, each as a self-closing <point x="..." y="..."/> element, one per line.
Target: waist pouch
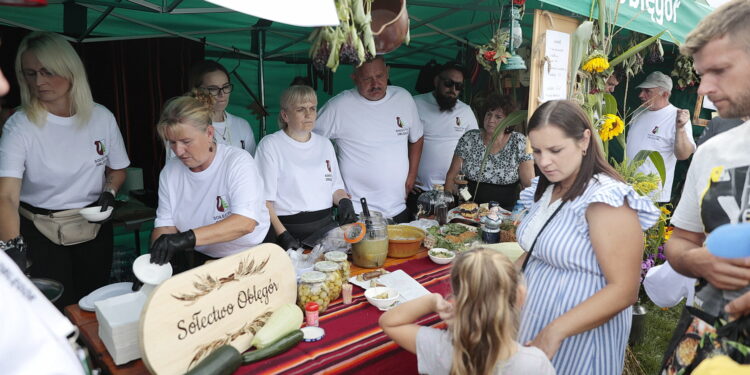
<point x="65" y="228"/>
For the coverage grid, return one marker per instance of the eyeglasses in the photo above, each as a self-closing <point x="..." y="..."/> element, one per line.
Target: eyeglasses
<point x="448" y="83"/>
<point x="214" y="91"/>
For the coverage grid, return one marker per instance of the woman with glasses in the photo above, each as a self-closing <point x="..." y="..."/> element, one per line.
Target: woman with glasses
<point x="300" y="173"/>
<point x="213" y="78"/>
<point x="59" y="152"/>
<point x="507" y="165"/>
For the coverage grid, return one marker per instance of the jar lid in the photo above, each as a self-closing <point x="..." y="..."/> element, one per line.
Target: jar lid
<point x="310" y="333"/>
<point x="312" y="277"/>
<point x="335" y="256"/>
<point x="312" y="306"/>
<point x="327" y="266"/>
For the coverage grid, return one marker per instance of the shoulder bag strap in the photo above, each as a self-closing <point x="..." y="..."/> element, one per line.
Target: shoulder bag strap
<point x="528" y="255"/>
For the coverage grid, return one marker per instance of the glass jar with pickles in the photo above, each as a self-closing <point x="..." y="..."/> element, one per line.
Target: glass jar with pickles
<point x="333" y="276"/>
<point x="313" y="288"/>
<point x="340" y="258"/>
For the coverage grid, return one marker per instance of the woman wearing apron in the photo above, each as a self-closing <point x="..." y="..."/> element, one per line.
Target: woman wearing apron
<point x="301" y="174"/>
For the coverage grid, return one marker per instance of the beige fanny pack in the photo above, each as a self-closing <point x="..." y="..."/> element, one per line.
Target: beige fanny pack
<point x="64" y="227"/>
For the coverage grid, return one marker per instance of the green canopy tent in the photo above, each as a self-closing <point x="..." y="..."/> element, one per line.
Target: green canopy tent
<point x="440" y="30"/>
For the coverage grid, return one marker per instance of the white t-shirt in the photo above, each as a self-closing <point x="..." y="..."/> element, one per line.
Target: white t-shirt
<point x="372" y="139"/>
<point x="442" y="130"/>
<point x="655" y="130"/>
<point x="230" y="185"/>
<point x="61" y="163"/>
<point x="33" y="333"/>
<point x="298" y="176"/>
<point x="706" y="204"/>
<point x="435" y="356"/>
<point x="234" y="131"/>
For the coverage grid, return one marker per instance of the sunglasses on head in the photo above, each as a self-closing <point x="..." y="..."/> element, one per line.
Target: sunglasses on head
<point x="451" y="83"/>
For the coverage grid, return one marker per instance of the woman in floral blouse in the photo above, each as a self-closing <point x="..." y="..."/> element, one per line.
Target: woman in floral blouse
<point x="508" y="163"/>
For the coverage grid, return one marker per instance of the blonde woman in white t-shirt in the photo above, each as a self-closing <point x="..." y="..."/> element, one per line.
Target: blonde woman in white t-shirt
<point x="210" y="194"/>
<point x="60" y="151"/>
<point x="482" y="327"/>
<point x="301" y="173"/>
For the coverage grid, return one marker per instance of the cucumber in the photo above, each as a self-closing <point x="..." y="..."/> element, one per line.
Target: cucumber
<point x="281" y="345"/>
<point x="223" y="361"/>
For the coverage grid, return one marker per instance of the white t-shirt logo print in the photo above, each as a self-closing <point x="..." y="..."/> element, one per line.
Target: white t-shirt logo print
<point x="221" y="204"/>
<point x="100" y="149"/>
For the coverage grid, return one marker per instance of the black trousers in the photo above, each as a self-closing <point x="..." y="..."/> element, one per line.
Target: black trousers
<point x="81" y="268"/>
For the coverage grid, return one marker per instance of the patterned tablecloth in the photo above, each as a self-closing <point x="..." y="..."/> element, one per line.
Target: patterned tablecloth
<point x="353" y="342"/>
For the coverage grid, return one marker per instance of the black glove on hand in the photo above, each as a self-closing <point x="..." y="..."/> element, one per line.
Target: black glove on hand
<point x="168" y="244"/>
<point x="287" y="241"/>
<point x="16" y="249"/>
<point x="106" y="200"/>
<point x="346" y="211"/>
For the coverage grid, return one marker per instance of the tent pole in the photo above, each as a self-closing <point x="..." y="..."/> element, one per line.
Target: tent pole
<point x="261" y="74"/>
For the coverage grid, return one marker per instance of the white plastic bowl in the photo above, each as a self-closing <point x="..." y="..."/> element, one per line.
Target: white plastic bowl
<point x="95" y="214"/>
<point x="440" y="260"/>
<point x="381" y="303"/>
<point x="151" y="273"/>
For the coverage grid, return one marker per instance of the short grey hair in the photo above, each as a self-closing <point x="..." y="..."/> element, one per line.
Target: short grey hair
<point x="293" y="95"/>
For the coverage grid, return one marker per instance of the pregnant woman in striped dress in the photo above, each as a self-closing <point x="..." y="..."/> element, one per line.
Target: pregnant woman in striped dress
<point x="583" y="237"/>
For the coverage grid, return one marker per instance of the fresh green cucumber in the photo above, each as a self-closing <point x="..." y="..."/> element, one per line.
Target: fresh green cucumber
<point x="279" y="346"/>
<point x="223" y="361"/>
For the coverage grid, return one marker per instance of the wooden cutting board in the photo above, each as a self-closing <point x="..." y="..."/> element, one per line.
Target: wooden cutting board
<point x="195" y="312"/>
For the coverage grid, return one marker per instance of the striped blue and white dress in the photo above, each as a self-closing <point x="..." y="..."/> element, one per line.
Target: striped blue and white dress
<point x="563" y="272"/>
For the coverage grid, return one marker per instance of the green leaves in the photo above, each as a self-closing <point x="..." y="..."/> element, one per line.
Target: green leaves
<point x="581" y="39"/>
<point x="656" y="158"/>
<point x="610" y="105"/>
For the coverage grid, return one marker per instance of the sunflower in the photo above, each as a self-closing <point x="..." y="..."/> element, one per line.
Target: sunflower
<point x="597" y="62"/>
<point x="612" y="127"/>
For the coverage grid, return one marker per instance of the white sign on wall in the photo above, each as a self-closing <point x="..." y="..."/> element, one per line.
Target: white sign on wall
<point x="555" y="70"/>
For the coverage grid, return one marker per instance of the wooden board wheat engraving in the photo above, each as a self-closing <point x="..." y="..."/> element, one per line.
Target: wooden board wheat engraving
<point x="223" y="302"/>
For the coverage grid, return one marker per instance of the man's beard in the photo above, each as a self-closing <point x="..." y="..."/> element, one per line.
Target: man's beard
<point x="446" y="103"/>
<point x="738" y="107"/>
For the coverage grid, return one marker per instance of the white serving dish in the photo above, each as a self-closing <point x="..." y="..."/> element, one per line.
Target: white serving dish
<point x="382" y="303"/>
<point x="151" y="273"/>
<point x="95" y="214"/>
<point x="440" y="260"/>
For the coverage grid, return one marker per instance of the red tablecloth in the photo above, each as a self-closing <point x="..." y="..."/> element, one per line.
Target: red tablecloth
<point x="354" y="343"/>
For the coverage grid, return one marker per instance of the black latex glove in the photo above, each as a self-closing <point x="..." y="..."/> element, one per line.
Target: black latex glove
<point x="168" y="244"/>
<point x="106" y="200"/>
<point x="287" y="241"/>
<point x="346" y="211"/>
<point x="16" y="249"/>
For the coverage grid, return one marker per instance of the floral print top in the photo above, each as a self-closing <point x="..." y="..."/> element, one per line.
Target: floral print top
<point x="501" y="168"/>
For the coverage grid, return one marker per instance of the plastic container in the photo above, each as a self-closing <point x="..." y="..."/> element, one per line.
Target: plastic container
<point x="333" y="276"/>
<point x="313" y="288"/>
<point x="311" y="314"/>
<point x="372" y="250"/>
<point x="340" y="258"/>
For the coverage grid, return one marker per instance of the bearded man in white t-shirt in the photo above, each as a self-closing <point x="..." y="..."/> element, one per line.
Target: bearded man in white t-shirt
<point x="445" y="119"/>
<point x="661" y="127"/>
<point x="378" y="135"/>
<point x="716" y="187"/>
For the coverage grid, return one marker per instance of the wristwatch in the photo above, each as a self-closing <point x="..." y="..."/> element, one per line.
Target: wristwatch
<point x="111" y="191"/>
